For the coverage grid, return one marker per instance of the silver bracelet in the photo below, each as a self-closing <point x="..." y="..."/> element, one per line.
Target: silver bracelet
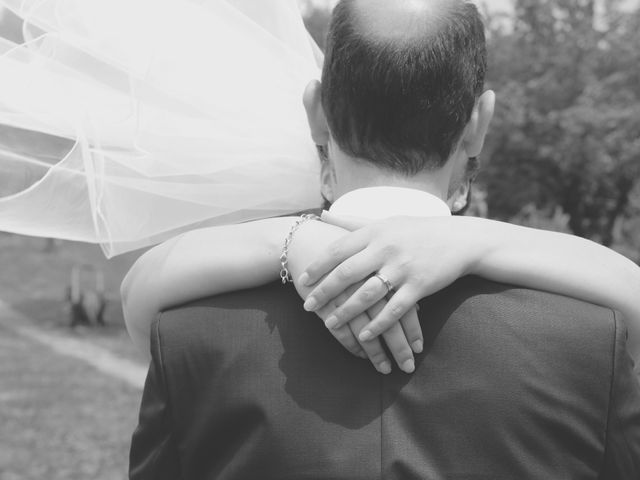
<point x="285" y="275"/>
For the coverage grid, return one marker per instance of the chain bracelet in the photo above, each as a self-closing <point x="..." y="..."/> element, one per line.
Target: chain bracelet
<point x="285" y="275"/>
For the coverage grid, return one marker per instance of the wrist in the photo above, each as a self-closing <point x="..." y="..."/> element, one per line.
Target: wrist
<point x="285" y="274"/>
<point x="310" y="239"/>
<point x="479" y="245"/>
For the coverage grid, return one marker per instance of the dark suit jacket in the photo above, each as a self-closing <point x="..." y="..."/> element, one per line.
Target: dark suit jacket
<point x="513" y="384"/>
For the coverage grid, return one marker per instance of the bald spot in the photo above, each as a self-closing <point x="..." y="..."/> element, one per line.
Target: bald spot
<point x="401" y="19"/>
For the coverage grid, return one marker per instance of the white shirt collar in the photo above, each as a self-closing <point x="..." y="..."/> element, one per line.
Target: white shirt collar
<point x="376" y="203"/>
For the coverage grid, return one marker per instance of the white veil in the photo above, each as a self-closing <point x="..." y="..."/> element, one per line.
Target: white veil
<point x="124" y="122"/>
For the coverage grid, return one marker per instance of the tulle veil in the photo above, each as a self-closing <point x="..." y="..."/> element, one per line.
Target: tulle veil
<point x="125" y="122"/>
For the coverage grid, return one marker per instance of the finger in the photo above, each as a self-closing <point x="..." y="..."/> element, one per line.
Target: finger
<point x="348" y="340"/>
<point x="344" y="335"/>
<point x="396" y="342"/>
<point x="334" y="255"/>
<point x="370" y="293"/>
<point x="412" y="330"/>
<point x="399" y="347"/>
<point x="373" y="350"/>
<point x="352" y="270"/>
<point x="347" y="222"/>
<point x="397" y="306"/>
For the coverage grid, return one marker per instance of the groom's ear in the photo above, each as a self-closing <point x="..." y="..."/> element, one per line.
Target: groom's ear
<point x="315" y="113"/>
<point x="478" y="125"/>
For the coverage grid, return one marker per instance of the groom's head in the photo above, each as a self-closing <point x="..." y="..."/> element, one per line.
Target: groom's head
<point x="401" y="93"/>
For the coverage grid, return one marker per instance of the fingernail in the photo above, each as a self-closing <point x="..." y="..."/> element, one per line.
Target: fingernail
<point x="332" y="322"/>
<point x="384" y="368"/>
<point x="409" y="366"/>
<point x="417" y="346"/>
<point x="310" y="304"/>
<point x="365" y="336"/>
<point x="304" y="279"/>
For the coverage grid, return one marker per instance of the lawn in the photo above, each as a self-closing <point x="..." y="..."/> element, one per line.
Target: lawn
<point x="34" y="279"/>
<point x="60" y="418"/>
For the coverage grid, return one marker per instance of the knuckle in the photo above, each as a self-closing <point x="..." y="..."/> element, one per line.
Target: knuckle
<point x="402" y="352"/>
<point x="397" y="310"/>
<point x="342" y="335"/>
<point x="410" y="322"/>
<point x="320" y="292"/>
<point x="344" y="272"/>
<point x="377" y="356"/>
<point x="413" y="336"/>
<point x="341" y="315"/>
<point x="420" y="277"/>
<point x="388" y="250"/>
<point x="349" y="344"/>
<point x="349" y="339"/>
<point x="405" y="354"/>
<point x="368" y="295"/>
<point x="334" y="250"/>
<point x="405" y="262"/>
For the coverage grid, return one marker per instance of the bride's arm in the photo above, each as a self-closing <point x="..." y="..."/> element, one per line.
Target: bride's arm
<point x="566" y="264"/>
<point x="421" y="256"/>
<point x="198" y="264"/>
<point x="215" y="260"/>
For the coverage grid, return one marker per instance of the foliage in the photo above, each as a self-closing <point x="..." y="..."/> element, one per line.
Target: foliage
<point x="566" y="135"/>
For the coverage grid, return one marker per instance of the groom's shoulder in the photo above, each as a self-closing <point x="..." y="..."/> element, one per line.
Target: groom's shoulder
<point x="479" y="294"/>
<point x="514" y="310"/>
<point x="260" y="307"/>
<point x="274" y="294"/>
<point x="257" y="327"/>
<point x="478" y="302"/>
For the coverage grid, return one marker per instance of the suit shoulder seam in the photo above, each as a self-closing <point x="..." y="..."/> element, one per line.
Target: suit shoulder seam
<point x="615" y="412"/>
<point x="165" y="382"/>
<point x="612" y="375"/>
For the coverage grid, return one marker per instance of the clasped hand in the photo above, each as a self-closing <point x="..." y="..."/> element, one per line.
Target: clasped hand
<point x="415" y="254"/>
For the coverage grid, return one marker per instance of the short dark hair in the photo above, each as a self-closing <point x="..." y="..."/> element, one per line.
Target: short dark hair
<point x="403" y="104"/>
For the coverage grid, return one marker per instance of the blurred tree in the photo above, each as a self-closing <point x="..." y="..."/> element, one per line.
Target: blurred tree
<point x="567" y="126"/>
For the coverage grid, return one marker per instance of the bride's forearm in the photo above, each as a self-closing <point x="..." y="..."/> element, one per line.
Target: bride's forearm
<point x="560" y="263"/>
<point x="198" y="264"/>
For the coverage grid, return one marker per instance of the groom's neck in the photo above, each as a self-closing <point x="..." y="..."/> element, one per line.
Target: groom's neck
<point x="353" y="174"/>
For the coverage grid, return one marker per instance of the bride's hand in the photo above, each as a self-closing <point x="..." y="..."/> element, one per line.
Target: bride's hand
<point x="419" y="256"/>
<point x="399" y="339"/>
<point x="396" y="338"/>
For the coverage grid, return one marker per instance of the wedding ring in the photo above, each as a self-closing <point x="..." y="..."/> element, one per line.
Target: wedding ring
<point x="385" y="281"/>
